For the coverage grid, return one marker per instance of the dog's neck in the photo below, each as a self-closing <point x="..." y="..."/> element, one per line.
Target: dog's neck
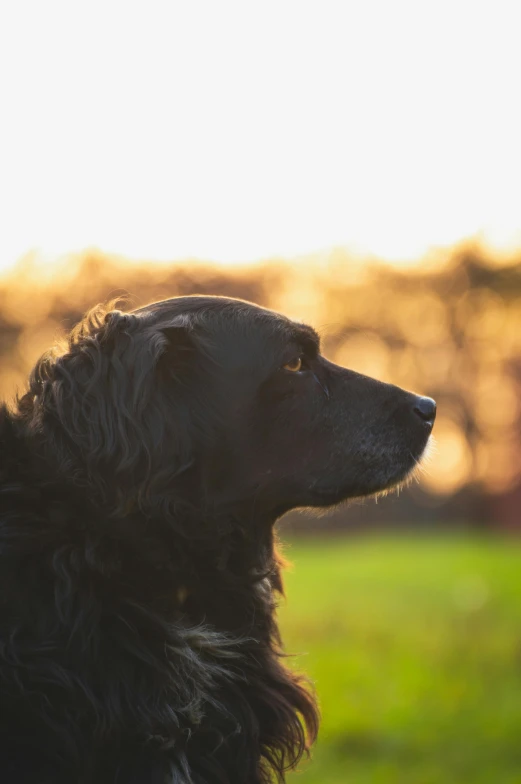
<point x="182" y="611"/>
<point x="203" y="555"/>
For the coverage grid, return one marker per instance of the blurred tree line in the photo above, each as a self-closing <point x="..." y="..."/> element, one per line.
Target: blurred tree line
<point x="449" y="327"/>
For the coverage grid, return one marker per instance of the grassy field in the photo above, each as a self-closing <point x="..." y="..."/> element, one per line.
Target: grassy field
<point x="414" y="646"/>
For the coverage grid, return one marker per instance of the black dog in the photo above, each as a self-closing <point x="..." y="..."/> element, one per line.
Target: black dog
<point x="140" y="478"/>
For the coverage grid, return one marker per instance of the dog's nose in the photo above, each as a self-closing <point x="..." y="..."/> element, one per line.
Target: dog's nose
<point x="425" y="407"/>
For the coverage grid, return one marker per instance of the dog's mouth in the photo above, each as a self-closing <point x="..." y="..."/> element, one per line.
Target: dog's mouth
<point x="377" y="475"/>
<point x="421" y="465"/>
<point x="409" y="472"/>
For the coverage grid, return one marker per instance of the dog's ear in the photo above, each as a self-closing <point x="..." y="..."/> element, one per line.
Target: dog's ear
<point x="178" y="347"/>
<point x="180" y="336"/>
<point x="180" y="332"/>
<point x="117" y="322"/>
<point x="117" y="418"/>
<point x="150" y="348"/>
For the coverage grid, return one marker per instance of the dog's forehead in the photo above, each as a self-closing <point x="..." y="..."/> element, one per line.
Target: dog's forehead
<point x="227" y="316"/>
<point x="205" y="307"/>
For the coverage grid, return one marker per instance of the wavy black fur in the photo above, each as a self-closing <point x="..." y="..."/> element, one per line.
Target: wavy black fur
<point x="138" y="640"/>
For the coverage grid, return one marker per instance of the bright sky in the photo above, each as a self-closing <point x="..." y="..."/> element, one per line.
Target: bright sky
<point x="234" y="131"/>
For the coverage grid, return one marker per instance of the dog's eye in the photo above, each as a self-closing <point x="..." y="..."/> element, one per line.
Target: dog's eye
<point x="295" y="365"/>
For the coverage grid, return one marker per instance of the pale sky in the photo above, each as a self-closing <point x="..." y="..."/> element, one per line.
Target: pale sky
<point x="234" y="131"/>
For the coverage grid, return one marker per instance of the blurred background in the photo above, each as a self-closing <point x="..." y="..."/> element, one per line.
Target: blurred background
<point x="354" y="165"/>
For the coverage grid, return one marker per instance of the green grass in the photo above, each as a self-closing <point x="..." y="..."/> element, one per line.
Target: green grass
<point x="414" y="646"/>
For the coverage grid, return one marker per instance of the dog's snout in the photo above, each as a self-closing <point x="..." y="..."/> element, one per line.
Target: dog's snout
<point x="425" y="407"/>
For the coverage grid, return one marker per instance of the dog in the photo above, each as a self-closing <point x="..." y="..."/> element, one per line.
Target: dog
<point x="141" y="475"/>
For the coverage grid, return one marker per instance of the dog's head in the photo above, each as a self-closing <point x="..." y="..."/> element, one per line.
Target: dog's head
<point x="225" y="405"/>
